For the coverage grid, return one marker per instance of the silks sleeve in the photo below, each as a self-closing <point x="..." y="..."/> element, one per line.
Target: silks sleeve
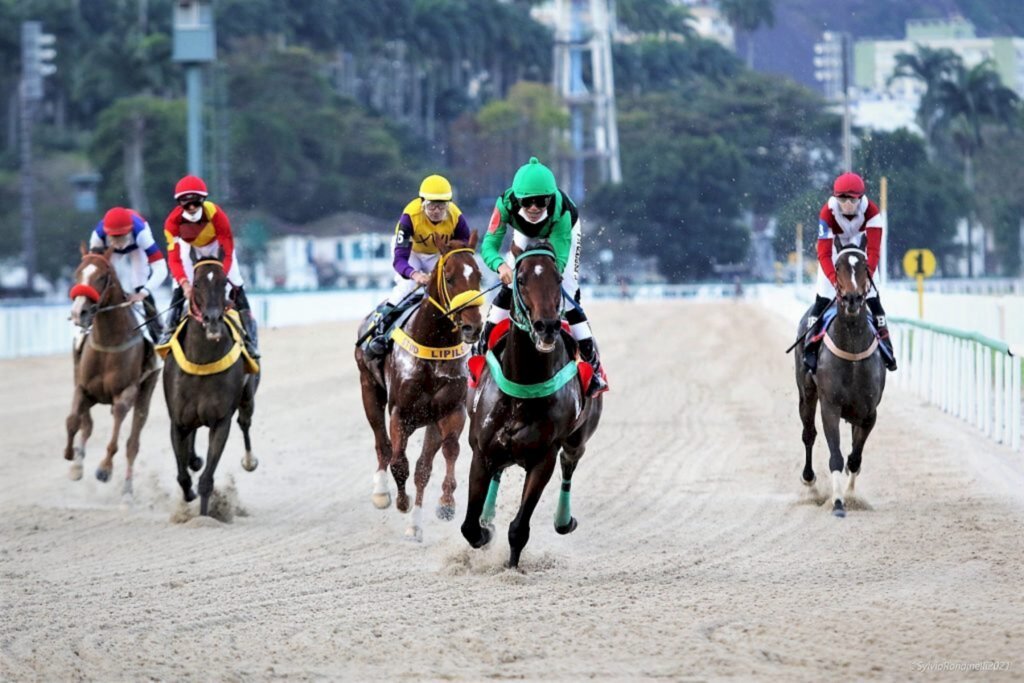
<point x="490" y="251"/>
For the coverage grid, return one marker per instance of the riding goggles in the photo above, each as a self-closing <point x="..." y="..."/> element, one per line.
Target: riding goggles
<point x="539" y="201"/>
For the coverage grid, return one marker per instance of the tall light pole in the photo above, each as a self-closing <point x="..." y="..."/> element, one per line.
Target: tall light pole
<point x="832" y="68"/>
<point x="36" y="64"/>
<point x="194" y="45"/>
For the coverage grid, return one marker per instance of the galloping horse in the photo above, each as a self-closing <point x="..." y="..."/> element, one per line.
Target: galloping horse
<point x="850" y="377"/>
<point x="206" y="379"/>
<point x="115" y="365"/>
<point x="422" y="382"/>
<point x="528" y="406"/>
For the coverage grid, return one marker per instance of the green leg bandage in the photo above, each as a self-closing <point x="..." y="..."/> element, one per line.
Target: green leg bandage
<point x="487" y="516"/>
<point x="563" y="513"/>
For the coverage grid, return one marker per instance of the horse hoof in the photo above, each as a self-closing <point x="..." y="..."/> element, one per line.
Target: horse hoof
<point x="810" y="482"/>
<point x="75" y="472"/>
<point x="414" y="533"/>
<point x="103" y="475"/>
<point x="402" y="503"/>
<point x="195" y="463"/>
<point x="838" y="510"/>
<point x="189" y="496"/>
<point x="446" y="512"/>
<point x="382" y="501"/>
<point x="568" y="528"/>
<point x="486" y="534"/>
<point x="249" y="464"/>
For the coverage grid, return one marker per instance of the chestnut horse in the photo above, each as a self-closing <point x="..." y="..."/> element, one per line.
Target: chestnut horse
<point x="421" y="382"/>
<point x="849" y="380"/>
<point x="206" y="381"/>
<point x="528" y="407"/>
<point x="115" y="365"/>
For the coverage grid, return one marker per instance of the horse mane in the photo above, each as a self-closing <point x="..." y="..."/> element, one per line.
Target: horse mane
<point x="98" y="251"/>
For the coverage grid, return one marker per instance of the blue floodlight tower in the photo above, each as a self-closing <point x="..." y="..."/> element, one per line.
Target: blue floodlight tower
<point x="195" y="44"/>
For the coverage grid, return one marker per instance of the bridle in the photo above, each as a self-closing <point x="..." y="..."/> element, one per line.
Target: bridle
<point x="520" y="313"/>
<point x="91" y="293"/>
<point x="451" y="306"/>
<point x="193" y="311"/>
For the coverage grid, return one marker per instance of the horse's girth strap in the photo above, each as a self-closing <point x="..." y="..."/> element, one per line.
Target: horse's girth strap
<point x="410" y="345"/>
<point x="846" y="355"/>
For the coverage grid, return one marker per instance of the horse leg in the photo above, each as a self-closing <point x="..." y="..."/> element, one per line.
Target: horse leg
<point x="123" y="402"/>
<point x="491" y="502"/>
<point x="399" y="461"/>
<point x="830" y="416"/>
<point x="424" y="464"/>
<point x="245" y="411"/>
<point x="808" y="407"/>
<point x="182" y="441"/>
<point x="475" y="529"/>
<point x="195" y="463"/>
<point x="519" y="530"/>
<point x="375" y="398"/>
<point x="79" y="428"/>
<point x="140" y="413"/>
<point x="565" y="523"/>
<point x="218" y="438"/>
<point x="451" y="427"/>
<point x="860" y="437"/>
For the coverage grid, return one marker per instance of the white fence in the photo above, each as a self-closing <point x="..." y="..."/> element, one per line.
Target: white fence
<point x="966" y="374"/>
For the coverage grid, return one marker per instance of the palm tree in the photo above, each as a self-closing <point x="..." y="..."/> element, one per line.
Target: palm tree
<point x="966" y="102"/>
<point x="748" y="16"/>
<point x="930" y="66"/>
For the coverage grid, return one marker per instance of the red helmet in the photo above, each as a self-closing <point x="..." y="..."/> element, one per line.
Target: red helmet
<point x="848" y="183"/>
<point x="190" y="184"/>
<point x="117" y="221"/>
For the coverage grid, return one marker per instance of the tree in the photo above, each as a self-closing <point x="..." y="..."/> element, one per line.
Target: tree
<point x="932" y="67"/>
<point x="748" y="16"/>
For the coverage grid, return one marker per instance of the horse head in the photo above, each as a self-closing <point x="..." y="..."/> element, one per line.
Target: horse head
<point x="96" y="283"/>
<point x="209" y="283"/>
<point x="455" y="285"/>
<point x="852" y="281"/>
<point x="537" y="296"/>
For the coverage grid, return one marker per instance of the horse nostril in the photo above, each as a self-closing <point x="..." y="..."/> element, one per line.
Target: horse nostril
<point x="538" y="326"/>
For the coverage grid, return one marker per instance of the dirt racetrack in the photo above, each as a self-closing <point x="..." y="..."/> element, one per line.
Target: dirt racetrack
<point x="698" y="555"/>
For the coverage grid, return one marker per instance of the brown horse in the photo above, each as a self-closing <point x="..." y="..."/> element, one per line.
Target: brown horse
<point x="206" y="381"/>
<point x="528" y="406"/>
<point x="114" y="366"/>
<point x="849" y="381"/>
<point x="422" y="382"/>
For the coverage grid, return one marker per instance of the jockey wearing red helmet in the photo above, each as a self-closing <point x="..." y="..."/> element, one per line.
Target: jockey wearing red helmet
<point x="848" y="218"/>
<point x="136" y="259"/>
<point x="200" y="225"/>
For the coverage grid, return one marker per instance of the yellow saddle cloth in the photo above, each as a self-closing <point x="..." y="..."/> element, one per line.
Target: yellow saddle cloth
<point x="237" y="349"/>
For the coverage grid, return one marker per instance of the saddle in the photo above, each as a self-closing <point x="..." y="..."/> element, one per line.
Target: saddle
<point x="496" y="345"/>
<point x="829" y="315"/>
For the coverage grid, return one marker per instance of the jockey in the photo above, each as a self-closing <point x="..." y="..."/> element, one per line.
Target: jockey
<point x="432" y="213"/>
<point x="846" y="216"/>
<point x="200" y="225"/>
<point x="537" y="210"/>
<point x="137" y="259"/>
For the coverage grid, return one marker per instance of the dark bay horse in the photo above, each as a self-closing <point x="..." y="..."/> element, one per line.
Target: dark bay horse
<point x="528" y="407"/>
<point x="206" y="381"/>
<point x="422" y="382"/>
<point x="115" y="365"/>
<point x="850" y="378"/>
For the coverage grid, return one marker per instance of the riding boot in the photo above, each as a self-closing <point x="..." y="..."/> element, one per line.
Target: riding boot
<point x="810" y="345"/>
<point x="250" y="338"/>
<point x="588" y="350"/>
<point x="380" y="343"/>
<point x="173" y="316"/>
<point x="481" y="345"/>
<point x="152" y="317"/>
<point x="875" y="304"/>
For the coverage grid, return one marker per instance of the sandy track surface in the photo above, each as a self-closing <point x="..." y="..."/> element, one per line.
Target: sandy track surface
<point x="698" y="555"/>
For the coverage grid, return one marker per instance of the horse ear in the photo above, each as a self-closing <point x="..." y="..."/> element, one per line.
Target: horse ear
<point x="192" y="256"/>
<point x="472" y="240"/>
<point x="108" y="253"/>
<point x="441" y="242"/>
<point x="82" y="248"/>
<point x="220" y="253"/>
<point x="516" y="250"/>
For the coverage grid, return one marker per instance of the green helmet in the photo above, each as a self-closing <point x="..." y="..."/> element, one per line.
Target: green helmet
<point x="533" y="179"/>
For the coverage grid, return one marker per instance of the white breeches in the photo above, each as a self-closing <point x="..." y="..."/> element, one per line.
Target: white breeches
<point x="421" y="262"/>
<point x="234" y="275"/>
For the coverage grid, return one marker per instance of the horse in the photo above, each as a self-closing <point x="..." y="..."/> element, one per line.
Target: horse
<point x="421" y="382"/>
<point x="114" y="365"/>
<point x="529" y="408"/>
<point x="849" y="380"/>
<point x="206" y="380"/>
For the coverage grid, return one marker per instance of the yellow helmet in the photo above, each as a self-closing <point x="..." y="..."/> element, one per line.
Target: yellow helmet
<point x="436" y="188"/>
